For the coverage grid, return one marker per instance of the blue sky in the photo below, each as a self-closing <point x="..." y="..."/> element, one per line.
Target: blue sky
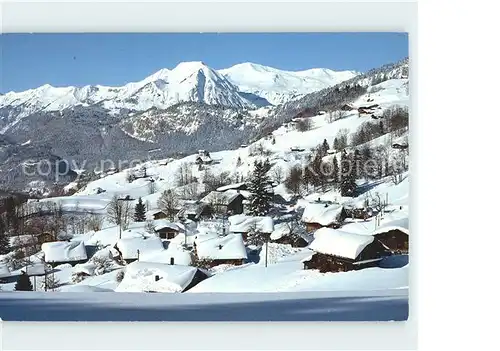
<point x="31" y="60"/>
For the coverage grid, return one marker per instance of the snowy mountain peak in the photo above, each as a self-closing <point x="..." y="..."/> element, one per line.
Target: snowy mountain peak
<point x="279" y="86"/>
<point x="244" y="86"/>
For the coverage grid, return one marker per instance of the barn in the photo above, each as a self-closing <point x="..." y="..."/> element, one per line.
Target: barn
<point x="59" y="252"/>
<point x="166" y="230"/>
<point x="323" y="214"/>
<point x="242" y="224"/>
<point x="217" y="250"/>
<point x="229" y="201"/>
<point x="338" y="251"/>
<point x="394" y="235"/>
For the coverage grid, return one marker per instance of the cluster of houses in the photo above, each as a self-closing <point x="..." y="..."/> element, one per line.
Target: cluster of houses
<point x="338" y="250"/>
<point x="328" y="228"/>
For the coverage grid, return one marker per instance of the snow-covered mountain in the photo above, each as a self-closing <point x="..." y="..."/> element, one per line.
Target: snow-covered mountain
<point x="244" y="86"/>
<point x="96" y="122"/>
<point x="278" y="86"/>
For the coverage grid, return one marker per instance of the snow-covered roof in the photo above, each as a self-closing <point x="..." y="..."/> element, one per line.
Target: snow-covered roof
<point x="205" y="158"/>
<point x="63" y="251"/>
<point x="227" y="247"/>
<point x="4" y="271"/>
<point x="244" y="224"/>
<point x="221" y="198"/>
<point x="192" y="207"/>
<point x="322" y="213"/>
<point x="140" y="277"/>
<point x="128" y="246"/>
<point x="398" y="224"/>
<point x="162" y="224"/>
<point x="175" y="251"/>
<point x="280" y="230"/>
<point x="231" y="186"/>
<point x="87" y="268"/>
<point x="338" y="243"/>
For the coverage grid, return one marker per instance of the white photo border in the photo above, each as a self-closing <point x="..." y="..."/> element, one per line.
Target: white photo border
<point x="280" y="16"/>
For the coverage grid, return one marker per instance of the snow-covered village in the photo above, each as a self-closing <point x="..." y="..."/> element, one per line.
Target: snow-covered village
<point x="291" y="203"/>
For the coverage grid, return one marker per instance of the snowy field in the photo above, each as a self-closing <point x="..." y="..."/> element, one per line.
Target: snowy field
<point x="387" y="305"/>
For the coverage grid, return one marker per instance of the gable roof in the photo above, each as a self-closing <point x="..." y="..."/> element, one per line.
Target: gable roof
<point x="64" y="251"/>
<point x="338" y="243"/>
<point x="221" y="198"/>
<point x="398" y="224"/>
<point x="236" y="186"/>
<point x="322" y="213"/>
<point x="244" y="224"/>
<point x="162" y="224"/>
<point x="229" y="247"/>
<point x="128" y="246"/>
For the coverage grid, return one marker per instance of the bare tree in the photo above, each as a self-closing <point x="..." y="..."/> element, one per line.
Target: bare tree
<point x="190" y="191"/>
<point x="278" y="174"/>
<point x="184" y="174"/>
<point x="48" y="283"/>
<point x="152" y="187"/>
<point x="330" y="118"/>
<point x="213" y="182"/>
<point x="129" y="176"/>
<point x="120" y="212"/>
<point x="169" y="203"/>
<point x="150" y="227"/>
<point x="304" y="124"/>
<point x="294" y="181"/>
<point x="341" y="140"/>
<point x="94" y="221"/>
<point x="339" y="114"/>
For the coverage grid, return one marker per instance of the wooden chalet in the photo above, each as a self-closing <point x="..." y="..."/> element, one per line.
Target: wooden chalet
<point x="242" y="224"/>
<point x="338" y="251"/>
<point x="194" y="210"/>
<point x="323" y="214"/>
<point x="394" y="235"/>
<point x="228" y="249"/>
<point x="60" y="252"/>
<point x="157" y="214"/>
<point x="167" y="230"/>
<point x="227" y="202"/>
<point x="347" y="107"/>
<point x="203" y="158"/>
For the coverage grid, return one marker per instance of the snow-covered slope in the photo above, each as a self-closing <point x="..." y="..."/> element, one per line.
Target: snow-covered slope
<point x="279" y="86"/>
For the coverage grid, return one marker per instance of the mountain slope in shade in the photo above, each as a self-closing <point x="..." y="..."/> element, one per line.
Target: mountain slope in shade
<point x="278" y="86"/>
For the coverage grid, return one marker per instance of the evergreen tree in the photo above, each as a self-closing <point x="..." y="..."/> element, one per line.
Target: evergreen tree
<point x="324" y="148"/>
<point x="336" y="144"/>
<point x="140" y="211"/>
<point x="381" y="127"/>
<point x="347" y="177"/>
<point x="23" y="283"/>
<point x="357" y="164"/>
<point x="260" y="200"/>
<point x="238" y="162"/>
<point x="4" y="239"/>
<point x="335" y="171"/>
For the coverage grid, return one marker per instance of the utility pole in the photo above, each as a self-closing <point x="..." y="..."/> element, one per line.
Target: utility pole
<point x="267" y="240"/>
